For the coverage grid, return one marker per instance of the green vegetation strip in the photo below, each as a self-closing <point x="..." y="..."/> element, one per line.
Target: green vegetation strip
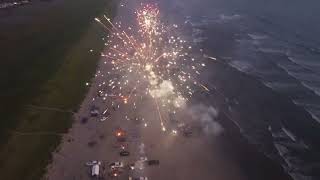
<point x="37" y="131"/>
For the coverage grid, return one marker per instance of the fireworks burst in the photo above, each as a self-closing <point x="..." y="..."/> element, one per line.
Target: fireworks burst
<point x="153" y="59"/>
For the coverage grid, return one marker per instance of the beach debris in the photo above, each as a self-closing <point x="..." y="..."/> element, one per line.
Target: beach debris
<point x="92" y="143"/>
<point x="124" y="153"/>
<point x="95" y="167"/>
<point x="93" y="162"/>
<point x="116" y="165"/>
<point x="94" y="111"/>
<point x="153" y="162"/>
<point x="101" y="136"/>
<point x="103" y="118"/>
<point x="84" y="120"/>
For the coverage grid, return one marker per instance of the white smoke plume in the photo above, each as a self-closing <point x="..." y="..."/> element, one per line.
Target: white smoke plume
<point x="206" y="116"/>
<point x="165" y="90"/>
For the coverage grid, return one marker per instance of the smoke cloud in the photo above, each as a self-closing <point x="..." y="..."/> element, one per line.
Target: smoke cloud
<point x="206" y="116"/>
<point x="165" y="90"/>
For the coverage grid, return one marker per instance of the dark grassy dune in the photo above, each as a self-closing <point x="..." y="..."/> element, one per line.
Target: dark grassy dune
<point x="45" y="61"/>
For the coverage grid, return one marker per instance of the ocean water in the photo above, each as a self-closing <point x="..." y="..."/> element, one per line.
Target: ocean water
<point x="277" y="43"/>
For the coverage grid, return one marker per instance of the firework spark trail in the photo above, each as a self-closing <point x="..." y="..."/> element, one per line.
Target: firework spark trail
<point x="163" y="128"/>
<point x="123" y="32"/>
<point x="159" y="59"/>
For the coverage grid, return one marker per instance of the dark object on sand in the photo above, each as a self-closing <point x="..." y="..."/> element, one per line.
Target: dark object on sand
<point x="153" y="162"/>
<point x="100" y="93"/>
<point x="94" y="111"/>
<point x="187" y="133"/>
<point x="172" y="118"/>
<point x="92" y="143"/>
<point x="101" y="136"/>
<point x="124" y="153"/>
<point x="121" y="139"/>
<point x="84" y="120"/>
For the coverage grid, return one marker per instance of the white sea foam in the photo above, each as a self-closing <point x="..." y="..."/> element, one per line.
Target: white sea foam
<point x="241" y="65"/>
<point x="312" y="87"/>
<point x="279" y="85"/>
<point x="307" y="79"/>
<point x="229" y="17"/>
<point x="314" y="115"/>
<point x="285" y="142"/>
<point x="307" y="62"/>
<point x="197" y="35"/>
<point x="257" y="36"/>
<point x="271" y="50"/>
<point x="289" y="134"/>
